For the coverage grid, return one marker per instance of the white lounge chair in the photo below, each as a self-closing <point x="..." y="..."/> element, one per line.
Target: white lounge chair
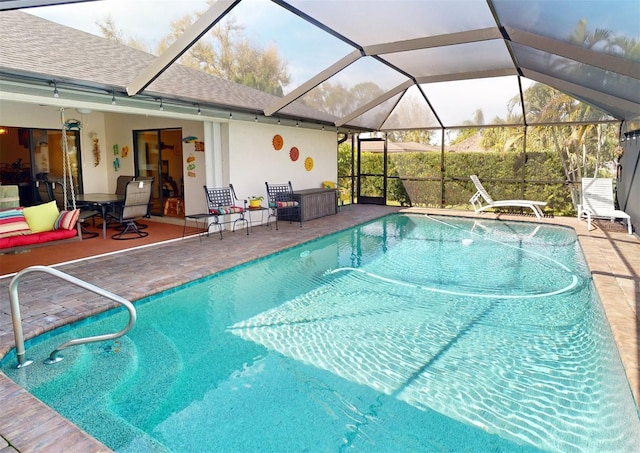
<point x="597" y="202"/>
<point x="482" y="194"/>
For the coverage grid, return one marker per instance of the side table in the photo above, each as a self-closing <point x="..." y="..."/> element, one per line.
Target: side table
<point x="196" y="218"/>
<point x="260" y="209"/>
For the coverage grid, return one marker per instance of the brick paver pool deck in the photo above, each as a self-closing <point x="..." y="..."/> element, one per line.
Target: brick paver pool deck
<point x="27" y="425"/>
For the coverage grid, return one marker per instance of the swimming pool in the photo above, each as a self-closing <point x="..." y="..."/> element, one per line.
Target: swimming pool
<point x="402" y="334"/>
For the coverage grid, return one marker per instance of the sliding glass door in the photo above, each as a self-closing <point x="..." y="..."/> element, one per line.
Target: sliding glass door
<point x="158" y="155"/>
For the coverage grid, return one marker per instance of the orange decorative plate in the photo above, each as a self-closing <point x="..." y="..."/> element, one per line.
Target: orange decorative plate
<point x="294" y="154"/>
<point x="278" y="142"/>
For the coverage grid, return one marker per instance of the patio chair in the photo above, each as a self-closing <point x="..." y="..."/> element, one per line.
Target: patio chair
<point x="281" y="203"/>
<point x="136" y="205"/>
<point x="223" y="202"/>
<point x="597" y="202"/>
<point x="121" y="184"/>
<point x="482" y="195"/>
<point x="49" y="191"/>
<point x="121" y="189"/>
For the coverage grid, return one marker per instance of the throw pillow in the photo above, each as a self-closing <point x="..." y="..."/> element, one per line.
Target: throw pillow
<point x="13" y="223"/>
<point x="41" y="217"/>
<point x="66" y="220"/>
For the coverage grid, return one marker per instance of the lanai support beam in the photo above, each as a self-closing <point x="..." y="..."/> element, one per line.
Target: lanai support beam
<point x="313" y="82"/>
<point x="191" y="35"/>
<point x="377" y="101"/>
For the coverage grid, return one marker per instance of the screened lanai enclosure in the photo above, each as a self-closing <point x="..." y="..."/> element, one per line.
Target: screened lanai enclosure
<point x="529" y="95"/>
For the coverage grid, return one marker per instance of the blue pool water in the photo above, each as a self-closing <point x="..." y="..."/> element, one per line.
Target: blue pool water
<point x="406" y="334"/>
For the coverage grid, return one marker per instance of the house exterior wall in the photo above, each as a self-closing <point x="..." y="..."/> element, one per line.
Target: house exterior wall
<point x="119" y="131"/>
<point x="17" y="114"/>
<point x="237" y="152"/>
<point x="252" y="159"/>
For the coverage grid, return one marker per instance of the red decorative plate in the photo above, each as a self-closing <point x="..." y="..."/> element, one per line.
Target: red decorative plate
<point x="294" y="154"/>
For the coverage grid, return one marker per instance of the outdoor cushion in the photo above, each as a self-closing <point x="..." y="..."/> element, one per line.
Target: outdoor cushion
<point x="36" y="238"/>
<point x="41" y="217"/>
<point x="66" y="220"/>
<point x="283" y="204"/>
<point x="13" y="223"/>
<point x="226" y="210"/>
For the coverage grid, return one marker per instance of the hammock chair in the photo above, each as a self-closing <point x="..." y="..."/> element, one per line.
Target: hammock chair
<point x="67" y="177"/>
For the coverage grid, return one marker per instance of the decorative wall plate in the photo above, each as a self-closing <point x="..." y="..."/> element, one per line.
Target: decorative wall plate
<point x="308" y="164"/>
<point x="278" y="142"/>
<point x="294" y="154"/>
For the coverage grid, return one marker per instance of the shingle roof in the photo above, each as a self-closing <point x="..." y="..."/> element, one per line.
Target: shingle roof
<point x="35" y="46"/>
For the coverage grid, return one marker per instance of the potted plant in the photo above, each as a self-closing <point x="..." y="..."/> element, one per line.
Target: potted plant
<point x="255" y="202"/>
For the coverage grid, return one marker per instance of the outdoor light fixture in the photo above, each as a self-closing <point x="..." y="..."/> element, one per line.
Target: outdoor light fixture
<point x="161" y="106"/>
<point x="278" y="121"/>
<point x="55" y="91"/>
<point x="113" y="98"/>
<point x="256" y="119"/>
<point x="230" y="115"/>
<point x="199" y="111"/>
<point x="297" y="124"/>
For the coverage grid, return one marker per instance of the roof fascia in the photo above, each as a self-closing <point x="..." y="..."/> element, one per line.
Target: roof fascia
<point x="576" y="53"/>
<point x="598" y="99"/>
<point x="313" y="82"/>
<point x="449" y="39"/>
<point x="199" y="28"/>
<point x="7" y="5"/>
<point x="379" y="100"/>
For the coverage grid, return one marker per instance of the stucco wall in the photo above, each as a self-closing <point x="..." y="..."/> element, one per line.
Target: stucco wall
<point x="253" y="159"/>
<point x="119" y="131"/>
<point x="15" y="114"/>
<point x="237" y="152"/>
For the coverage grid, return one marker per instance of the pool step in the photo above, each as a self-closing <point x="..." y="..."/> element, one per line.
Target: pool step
<point x="159" y="363"/>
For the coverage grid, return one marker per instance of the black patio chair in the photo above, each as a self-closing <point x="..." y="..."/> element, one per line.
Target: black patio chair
<point x="221" y="202"/>
<point x="282" y="204"/>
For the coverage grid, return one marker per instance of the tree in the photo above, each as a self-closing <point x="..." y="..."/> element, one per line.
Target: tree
<point x="228" y="54"/>
<point x="339" y="100"/>
<point x="224" y="52"/>
<point x="110" y="31"/>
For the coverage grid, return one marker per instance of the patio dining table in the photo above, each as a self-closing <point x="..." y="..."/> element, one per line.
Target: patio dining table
<point x="105" y="201"/>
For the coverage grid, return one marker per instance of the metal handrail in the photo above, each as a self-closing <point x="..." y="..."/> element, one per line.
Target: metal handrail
<point x="54" y="356"/>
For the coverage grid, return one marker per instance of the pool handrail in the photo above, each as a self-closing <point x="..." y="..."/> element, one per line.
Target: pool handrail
<point x="54" y="356"/>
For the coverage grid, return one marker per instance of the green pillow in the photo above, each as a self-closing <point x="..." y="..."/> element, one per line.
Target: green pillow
<point x="41" y="217"/>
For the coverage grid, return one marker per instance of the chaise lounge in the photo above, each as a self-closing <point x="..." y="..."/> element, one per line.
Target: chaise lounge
<point x="482" y="194"/>
<point x="597" y="202"/>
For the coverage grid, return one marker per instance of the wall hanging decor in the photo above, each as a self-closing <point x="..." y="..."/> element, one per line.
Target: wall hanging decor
<point x="191" y="166"/>
<point x="308" y="164"/>
<point x="294" y="153"/>
<point x="95" y="148"/>
<point x="278" y="142"/>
